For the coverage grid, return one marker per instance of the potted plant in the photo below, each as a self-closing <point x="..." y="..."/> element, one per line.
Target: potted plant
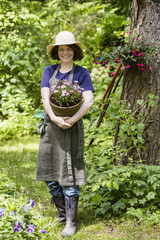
<point x="66" y="98"/>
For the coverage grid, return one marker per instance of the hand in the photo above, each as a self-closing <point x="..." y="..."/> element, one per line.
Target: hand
<point x="69" y="120"/>
<point x="62" y="123"/>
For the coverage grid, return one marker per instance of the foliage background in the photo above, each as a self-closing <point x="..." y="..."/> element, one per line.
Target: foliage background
<point x="27" y="27"/>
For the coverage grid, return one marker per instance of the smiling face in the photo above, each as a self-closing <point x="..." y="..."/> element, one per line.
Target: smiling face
<point x="65" y="54"/>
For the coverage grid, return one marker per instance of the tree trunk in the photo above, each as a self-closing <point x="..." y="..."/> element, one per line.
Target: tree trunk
<point x="145" y="17"/>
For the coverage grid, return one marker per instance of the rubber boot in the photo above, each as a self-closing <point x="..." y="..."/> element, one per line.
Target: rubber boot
<point x="60" y="205"/>
<point x="71" y="211"/>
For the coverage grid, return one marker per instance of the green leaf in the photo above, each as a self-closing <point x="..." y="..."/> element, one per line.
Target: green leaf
<point x="115" y="185"/>
<point x="140" y="101"/>
<point x="152" y="103"/>
<point x="151" y="195"/>
<point x="109" y="184"/>
<point x="94" y="188"/>
<point x="151" y="95"/>
<point x="97" y="198"/>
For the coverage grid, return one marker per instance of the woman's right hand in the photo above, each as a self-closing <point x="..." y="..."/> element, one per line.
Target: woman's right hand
<point x="61" y="123"/>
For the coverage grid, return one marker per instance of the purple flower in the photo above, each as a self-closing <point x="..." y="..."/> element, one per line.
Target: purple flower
<point x="68" y="83"/>
<point x="71" y="91"/>
<point x="32" y="203"/>
<point x="30" y="228"/>
<point x="12" y="213"/>
<point x="140" y="54"/>
<point x="150" y="68"/>
<point x="64" y="93"/>
<point x="55" y="91"/>
<point x="96" y="62"/>
<point x="79" y="91"/>
<point x="25" y="208"/>
<point x="1" y="212"/>
<point x="17" y="227"/>
<point x="43" y="231"/>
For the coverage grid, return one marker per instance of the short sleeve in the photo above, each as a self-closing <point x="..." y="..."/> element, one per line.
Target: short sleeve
<point x="45" y="78"/>
<point x="85" y="80"/>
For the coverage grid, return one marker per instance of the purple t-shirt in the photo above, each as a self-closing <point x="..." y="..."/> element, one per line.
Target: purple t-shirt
<point x="80" y="74"/>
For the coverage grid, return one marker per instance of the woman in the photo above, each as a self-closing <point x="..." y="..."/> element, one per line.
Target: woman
<point x="60" y="159"/>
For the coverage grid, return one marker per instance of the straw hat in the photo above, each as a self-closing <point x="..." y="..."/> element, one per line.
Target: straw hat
<point x="64" y="38"/>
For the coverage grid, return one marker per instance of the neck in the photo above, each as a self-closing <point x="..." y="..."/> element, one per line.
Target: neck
<point x="65" y="67"/>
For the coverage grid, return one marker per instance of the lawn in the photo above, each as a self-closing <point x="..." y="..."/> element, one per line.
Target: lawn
<point x="18" y="162"/>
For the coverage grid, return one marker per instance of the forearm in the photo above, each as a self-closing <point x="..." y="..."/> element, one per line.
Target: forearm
<point x="82" y="111"/>
<point x="86" y="105"/>
<point x="49" y="110"/>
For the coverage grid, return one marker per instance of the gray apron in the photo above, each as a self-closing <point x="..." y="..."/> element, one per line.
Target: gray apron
<point x="60" y="156"/>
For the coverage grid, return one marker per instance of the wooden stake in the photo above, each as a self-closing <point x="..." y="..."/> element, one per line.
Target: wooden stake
<point x="107" y="95"/>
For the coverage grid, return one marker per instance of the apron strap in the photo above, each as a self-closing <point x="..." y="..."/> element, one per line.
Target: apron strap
<point x="53" y="80"/>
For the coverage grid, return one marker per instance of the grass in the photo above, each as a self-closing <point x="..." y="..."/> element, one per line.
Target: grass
<point x="18" y="162"/>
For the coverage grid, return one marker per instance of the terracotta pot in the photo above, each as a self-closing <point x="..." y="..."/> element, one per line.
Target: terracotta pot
<point x="65" y="111"/>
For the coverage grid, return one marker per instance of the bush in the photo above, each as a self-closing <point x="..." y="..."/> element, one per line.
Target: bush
<point x="131" y="191"/>
<point x="17" y="126"/>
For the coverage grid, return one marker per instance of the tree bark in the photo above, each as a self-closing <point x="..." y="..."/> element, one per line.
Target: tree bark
<point x="145" y="17"/>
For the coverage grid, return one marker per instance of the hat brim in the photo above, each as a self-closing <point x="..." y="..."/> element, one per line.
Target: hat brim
<point x="50" y="47"/>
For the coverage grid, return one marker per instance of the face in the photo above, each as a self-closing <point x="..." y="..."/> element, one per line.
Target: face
<point x="65" y="54"/>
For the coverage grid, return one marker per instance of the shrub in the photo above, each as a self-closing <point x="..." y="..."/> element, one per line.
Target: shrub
<point x="131" y="191"/>
<point x="17" y="126"/>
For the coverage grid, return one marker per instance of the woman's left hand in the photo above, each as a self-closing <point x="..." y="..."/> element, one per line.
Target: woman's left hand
<point x="68" y="120"/>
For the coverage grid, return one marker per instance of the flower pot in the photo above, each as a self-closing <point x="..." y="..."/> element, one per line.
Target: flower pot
<point x="65" y="111"/>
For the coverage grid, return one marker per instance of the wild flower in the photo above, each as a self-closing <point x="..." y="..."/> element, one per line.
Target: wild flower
<point x="43" y="231"/>
<point x="30" y="228"/>
<point x="17" y="228"/>
<point x="25" y="208"/>
<point x="66" y="94"/>
<point x="32" y="203"/>
<point x="1" y="212"/>
<point x="12" y="213"/>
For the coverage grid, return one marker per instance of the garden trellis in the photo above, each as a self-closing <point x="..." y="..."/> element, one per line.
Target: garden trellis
<point x="107" y="97"/>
